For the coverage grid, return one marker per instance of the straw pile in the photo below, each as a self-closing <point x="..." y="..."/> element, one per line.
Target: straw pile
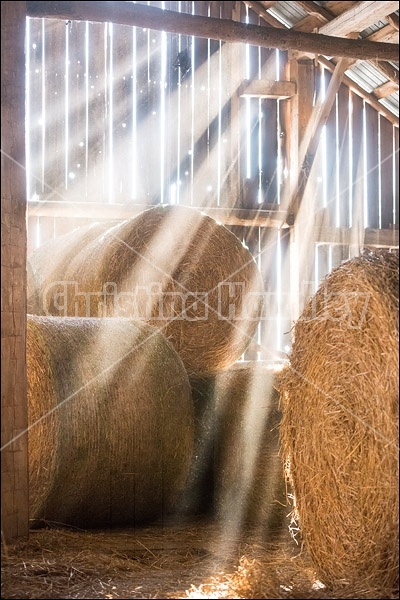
<point x="237" y="448"/>
<point x="340" y="423"/>
<point x="111" y="421"/>
<point x="163" y="560"/>
<point x="179" y="270"/>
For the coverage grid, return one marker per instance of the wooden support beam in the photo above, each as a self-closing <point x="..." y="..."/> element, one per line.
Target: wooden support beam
<point x="379" y="238"/>
<point x="317" y="120"/>
<point x="370" y="98"/>
<point x="393" y="20"/>
<point x="138" y="15"/>
<point x="389" y="71"/>
<point x="261" y="11"/>
<point x="267" y="5"/>
<point x="385" y="89"/>
<point x="264" y="88"/>
<point x="386" y="34"/>
<point x="99" y="212"/>
<point x="358" y="18"/>
<point x="315" y="9"/>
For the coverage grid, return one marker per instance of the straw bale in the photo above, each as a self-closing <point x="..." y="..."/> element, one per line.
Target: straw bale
<point x="180" y="270"/>
<point x="48" y="265"/>
<point x="340" y="423"/>
<point x="237" y="471"/>
<point x="111" y="421"/>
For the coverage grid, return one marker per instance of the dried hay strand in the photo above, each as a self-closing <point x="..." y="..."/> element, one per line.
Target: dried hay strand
<point x="340" y="423"/>
<point x="237" y="449"/>
<point x="110" y="421"/>
<point x="181" y="271"/>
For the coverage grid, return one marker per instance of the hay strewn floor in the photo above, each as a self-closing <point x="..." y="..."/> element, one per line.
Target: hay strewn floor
<point x="168" y="560"/>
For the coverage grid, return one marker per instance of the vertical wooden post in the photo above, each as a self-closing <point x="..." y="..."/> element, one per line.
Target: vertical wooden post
<point x="14" y="456"/>
<point x="298" y="111"/>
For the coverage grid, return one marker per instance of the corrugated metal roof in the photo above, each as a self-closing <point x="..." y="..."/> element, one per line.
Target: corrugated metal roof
<point x="392" y="103"/>
<point x="373" y="28"/>
<point x="366" y="76"/>
<point x="288" y="13"/>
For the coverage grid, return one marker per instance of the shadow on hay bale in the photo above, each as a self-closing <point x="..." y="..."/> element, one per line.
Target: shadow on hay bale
<point x="237" y="473"/>
<point x="340" y="423"/>
<point x="176" y="268"/>
<point x="111" y="425"/>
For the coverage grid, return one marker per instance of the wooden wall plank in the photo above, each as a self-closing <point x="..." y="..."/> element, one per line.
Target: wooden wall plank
<point x="331" y="159"/>
<point x="200" y="121"/>
<point x="342" y="211"/>
<point x="35" y="108"/>
<point x="95" y="138"/>
<point x="357" y="159"/>
<point x="371" y="120"/>
<point x="58" y="115"/>
<point x="386" y="172"/>
<point x="70" y="142"/>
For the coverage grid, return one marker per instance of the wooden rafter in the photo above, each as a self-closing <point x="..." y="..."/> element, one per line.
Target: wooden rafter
<point x="267" y="5"/>
<point x="385" y="89"/>
<point x="389" y="71"/>
<point x="103" y="211"/>
<point x="261" y="11"/>
<point x="385" y="34"/>
<point x="138" y="15"/>
<point x="358" y="18"/>
<point x="315" y="9"/>
<point x="393" y="19"/>
<point x="339" y="7"/>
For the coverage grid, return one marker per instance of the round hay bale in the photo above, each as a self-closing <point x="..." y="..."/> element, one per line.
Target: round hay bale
<point x="340" y="423"/>
<point x="110" y="421"/>
<point x="237" y="449"/>
<point x="181" y="271"/>
<point x="49" y="263"/>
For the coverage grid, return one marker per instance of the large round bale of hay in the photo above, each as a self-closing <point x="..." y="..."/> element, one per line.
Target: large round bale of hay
<point x="181" y="271"/>
<point x="237" y="471"/>
<point x="111" y="424"/>
<point x="48" y="266"/>
<point x="340" y="423"/>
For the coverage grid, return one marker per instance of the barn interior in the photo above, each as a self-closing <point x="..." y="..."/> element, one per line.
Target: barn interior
<point x="199" y="212"/>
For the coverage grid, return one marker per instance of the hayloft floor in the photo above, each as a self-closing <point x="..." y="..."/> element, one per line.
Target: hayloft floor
<point x="197" y="559"/>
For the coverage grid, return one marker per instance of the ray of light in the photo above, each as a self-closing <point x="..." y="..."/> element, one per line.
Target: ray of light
<point x="28" y="109"/>
<point x="365" y="172"/>
<point x="66" y="111"/>
<point x="110" y="105"/>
